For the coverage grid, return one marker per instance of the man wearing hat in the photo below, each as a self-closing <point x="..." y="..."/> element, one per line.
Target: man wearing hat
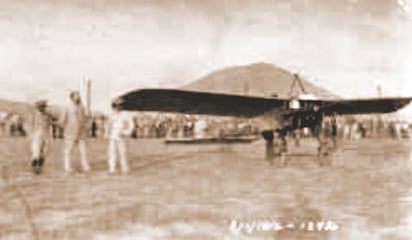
<point x="41" y="135"/>
<point x="120" y="126"/>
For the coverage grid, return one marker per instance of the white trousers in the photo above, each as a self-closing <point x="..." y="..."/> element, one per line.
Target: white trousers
<point x="39" y="146"/>
<point x="69" y="145"/>
<point x="117" y="147"/>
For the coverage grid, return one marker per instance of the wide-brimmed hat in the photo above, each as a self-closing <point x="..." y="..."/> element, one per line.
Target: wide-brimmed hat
<point x="41" y="103"/>
<point x="74" y="93"/>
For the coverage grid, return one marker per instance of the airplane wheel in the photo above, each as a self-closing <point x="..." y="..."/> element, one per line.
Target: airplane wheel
<point x="325" y="158"/>
<point x="323" y="154"/>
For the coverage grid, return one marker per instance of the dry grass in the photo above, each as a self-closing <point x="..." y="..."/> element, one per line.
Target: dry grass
<point x="193" y="192"/>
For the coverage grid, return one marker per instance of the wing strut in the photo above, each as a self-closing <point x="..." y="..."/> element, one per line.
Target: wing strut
<point x="296" y="81"/>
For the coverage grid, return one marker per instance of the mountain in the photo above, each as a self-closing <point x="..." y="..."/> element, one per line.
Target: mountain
<point x="25" y="108"/>
<point x="259" y="79"/>
<point x="15" y="107"/>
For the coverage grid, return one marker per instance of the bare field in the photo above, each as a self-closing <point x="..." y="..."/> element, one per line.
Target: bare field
<point x="197" y="192"/>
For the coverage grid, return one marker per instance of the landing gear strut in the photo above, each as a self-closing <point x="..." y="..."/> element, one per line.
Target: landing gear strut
<point x="276" y="147"/>
<point x="326" y="135"/>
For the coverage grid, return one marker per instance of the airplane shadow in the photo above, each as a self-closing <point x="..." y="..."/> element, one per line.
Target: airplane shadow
<point x="153" y="161"/>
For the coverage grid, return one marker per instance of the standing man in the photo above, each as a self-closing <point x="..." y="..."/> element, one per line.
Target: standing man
<point x="120" y="126"/>
<point x="41" y="135"/>
<point x="75" y="121"/>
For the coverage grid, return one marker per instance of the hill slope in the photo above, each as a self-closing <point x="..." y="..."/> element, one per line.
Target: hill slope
<point x="15" y="107"/>
<point x="259" y="79"/>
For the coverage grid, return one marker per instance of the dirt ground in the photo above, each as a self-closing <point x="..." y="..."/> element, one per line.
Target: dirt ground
<point x="209" y="192"/>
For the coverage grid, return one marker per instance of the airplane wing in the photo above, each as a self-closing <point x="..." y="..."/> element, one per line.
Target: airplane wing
<point x="192" y="102"/>
<point x="366" y="106"/>
<point x="353" y="106"/>
<point x="189" y="102"/>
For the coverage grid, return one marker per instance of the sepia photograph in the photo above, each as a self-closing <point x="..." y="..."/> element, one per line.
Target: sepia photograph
<point x="206" y="119"/>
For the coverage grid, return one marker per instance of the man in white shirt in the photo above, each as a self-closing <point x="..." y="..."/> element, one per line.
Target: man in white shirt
<point x="120" y="126"/>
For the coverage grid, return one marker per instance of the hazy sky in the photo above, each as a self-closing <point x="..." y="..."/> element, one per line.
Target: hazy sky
<point x="349" y="46"/>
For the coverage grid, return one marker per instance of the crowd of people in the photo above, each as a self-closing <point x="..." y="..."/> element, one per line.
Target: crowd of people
<point x="75" y="125"/>
<point x="372" y="128"/>
<point x="157" y="125"/>
<point x="12" y="124"/>
<point x="175" y="126"/>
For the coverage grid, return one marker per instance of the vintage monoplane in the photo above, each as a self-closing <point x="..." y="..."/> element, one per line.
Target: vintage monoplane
<point x="282" y="115"/>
